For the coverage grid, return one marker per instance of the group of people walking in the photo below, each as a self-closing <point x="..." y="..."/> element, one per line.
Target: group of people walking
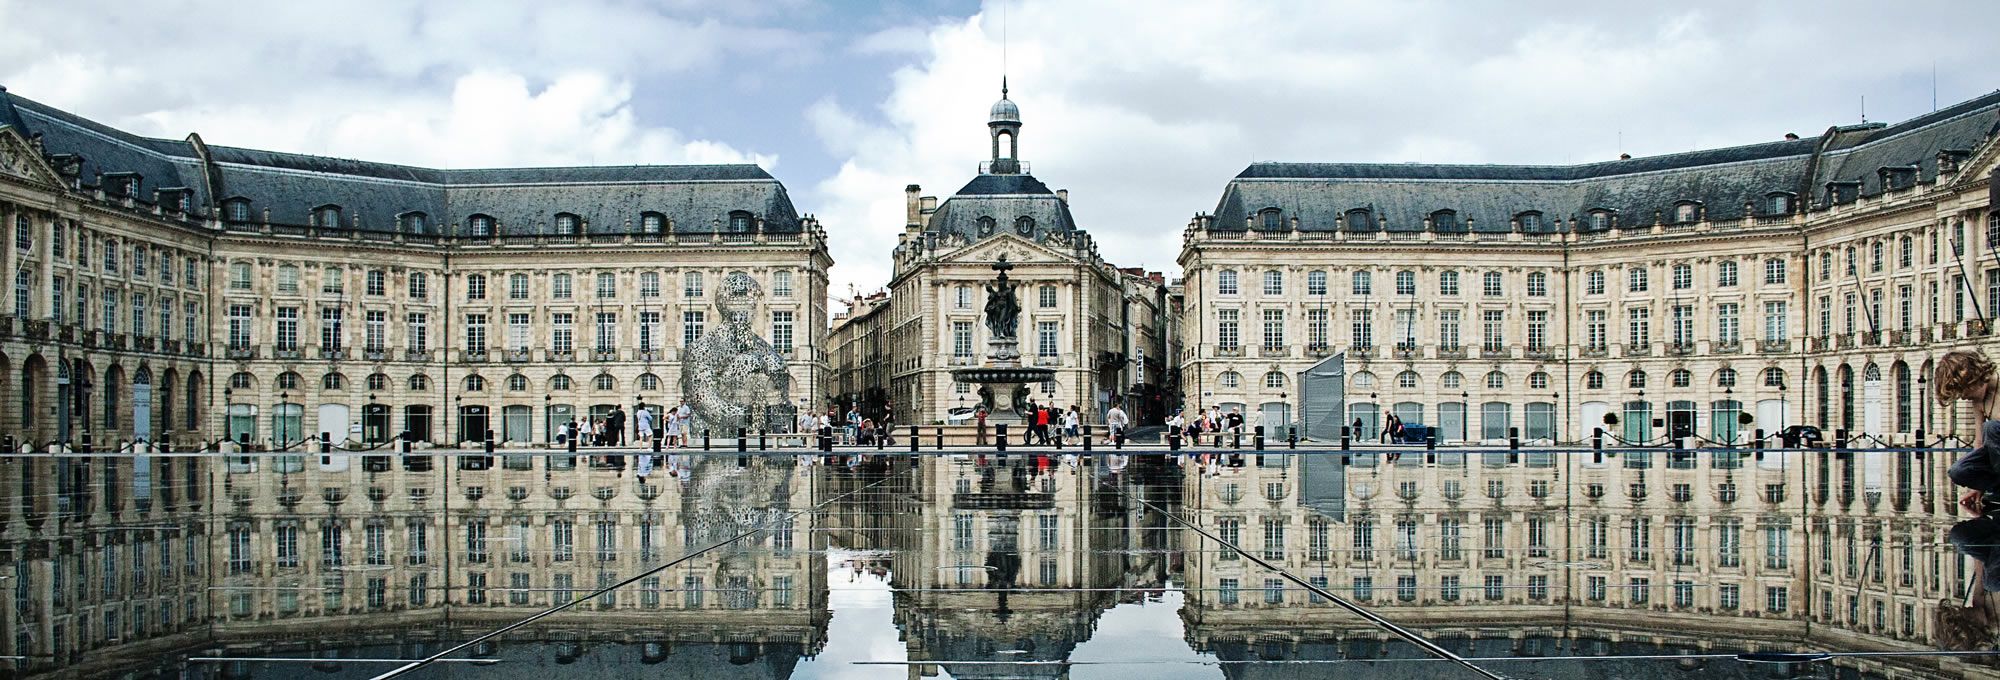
<point x="672" y="425"/>
<point x="1212" y="421"/>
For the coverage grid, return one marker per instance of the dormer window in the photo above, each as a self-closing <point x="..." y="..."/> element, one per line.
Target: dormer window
<point x="1599" y="220"/>
<point x="1271" y="219"/>
<point x="121" y="184"/>
<point x="652" y="223"/>
<point x="481" y="226"/>
<point x="174" y="200"/>
<point x="1898" y="179"/>
<point x="326" y="216"/>
<point x="1446" y="221"/>
<point x="236" y="210"/>
<point x="1684" y="212"/>
<point x="1843" y="192"/>
<point x="1359" y="219"/>
<point x="739" y="222"/>
<point x="566" y="224"/>
<point x="414" y="223"/>
<point x="1778" y="204"/>
<point x="1531" y="222"/>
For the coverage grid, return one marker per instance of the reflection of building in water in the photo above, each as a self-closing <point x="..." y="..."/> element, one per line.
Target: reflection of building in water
<point x="1779" y="551"/>
<point x="1014" y="559"/>
<point x="310" y="544"/>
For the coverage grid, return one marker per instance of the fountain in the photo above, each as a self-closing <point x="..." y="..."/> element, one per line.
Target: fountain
<point x="1002" y="380"/>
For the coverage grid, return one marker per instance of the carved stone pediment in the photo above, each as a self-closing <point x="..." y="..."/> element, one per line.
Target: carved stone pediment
<point x="18" y="159"/>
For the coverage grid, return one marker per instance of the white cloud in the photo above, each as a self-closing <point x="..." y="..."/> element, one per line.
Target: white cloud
<point x="1144" y="110"/>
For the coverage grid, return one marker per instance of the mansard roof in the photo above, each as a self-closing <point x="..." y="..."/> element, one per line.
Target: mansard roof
<point x="1005" y="199"/>
<point x="1726" y="183"/>
<point x="371" y="196"/>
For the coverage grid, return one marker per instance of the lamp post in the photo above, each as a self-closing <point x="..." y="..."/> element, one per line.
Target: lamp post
<point x="367" y="416"/>
<point x="226" y="412"/>
<point x="284" y="433"/>
<point x="458" y="410"/>
<point x="1729" y="395"/>
<point x="1923" y="407"/>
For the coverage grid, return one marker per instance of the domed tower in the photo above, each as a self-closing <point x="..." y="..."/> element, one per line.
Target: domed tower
<point x="1004" y="125"/>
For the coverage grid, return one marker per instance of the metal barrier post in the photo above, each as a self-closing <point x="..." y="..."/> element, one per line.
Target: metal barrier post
<point x="742" y="440"/>
<point x="1086" y="437"/>
<point x="1513" y="439"/>
<point x="704" y="439"/>
<point x="1257" y="438"/>
<point x="1346" y="438"/>
<point x="1000" y="437"/>
<point x="1597" y="438"/>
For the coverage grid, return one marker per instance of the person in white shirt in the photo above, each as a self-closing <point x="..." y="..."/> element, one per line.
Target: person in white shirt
<point x="1115" y="422"/>
<point x="644" y="419"/>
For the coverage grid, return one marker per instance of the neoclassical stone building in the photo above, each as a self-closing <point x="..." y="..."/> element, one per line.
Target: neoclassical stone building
<point x="1098" y="326"/>
<point x="1801" y="281"/>
<point x="173" y="290"/>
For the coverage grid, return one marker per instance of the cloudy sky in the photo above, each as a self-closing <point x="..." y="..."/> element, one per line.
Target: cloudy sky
<point x="1143" y="110"/>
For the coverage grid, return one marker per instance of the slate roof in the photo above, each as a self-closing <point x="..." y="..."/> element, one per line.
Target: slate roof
<point x="1005" y="199"/>
<point x="609" y="199"/>
<point x="1727" y="183"/>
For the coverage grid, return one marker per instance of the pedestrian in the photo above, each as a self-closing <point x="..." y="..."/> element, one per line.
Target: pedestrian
<point x="562" y="434"/>
<point x="979" y="414"/>
<point x="645" y="421"/>
<point x="1969" y="375"/>
<point x="686" y="414"/>
<point x="1115" y="422"/>
<point x="854" y="424"/>
<point x="616" y="428"/>
<point x="673" y="422"/>
<point x="1042" y="424"/>
<point x="808" y="424"/>
<point x="1072" y="422"/>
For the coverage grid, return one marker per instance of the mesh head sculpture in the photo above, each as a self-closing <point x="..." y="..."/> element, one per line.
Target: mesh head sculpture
<point x="730" y="376"/>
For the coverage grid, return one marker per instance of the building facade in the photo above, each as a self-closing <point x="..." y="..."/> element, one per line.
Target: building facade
<point x="175" y="291"/>
<point x="1096" y="326"/>
<point x="1705" y="295"/>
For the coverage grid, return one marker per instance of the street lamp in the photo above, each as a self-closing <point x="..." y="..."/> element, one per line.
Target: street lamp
<point x="284" y="433"/>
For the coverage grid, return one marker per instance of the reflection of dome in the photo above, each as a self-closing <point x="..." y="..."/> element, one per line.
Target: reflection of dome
<point x="1004" y="111"/>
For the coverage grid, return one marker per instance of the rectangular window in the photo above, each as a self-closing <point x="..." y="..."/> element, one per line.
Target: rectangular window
<point x="607" y="285"/>
<point x="1404" y="326"/>
<point x="517" y="287"/>
<point x="649" y="330"/>
<point x="138" y="314"/>
<point x="1777" y="547"/>
<point x="781" y="331"/>
<point x="239" y="326"/>
<point x="1046" y="296"/>
<point x="1636" y="280"/>
<point x="691" y="327"/>
<point x="332" y="282"/>
<point x="1225" y="282"/>
<point x="1493" y="334"/>
<point x="1316" y="283"/>
<point x="961" y="339"/>
<point x="475" y="333"/>
<point x="420" y="286"/>
<point x="288" y="279"/>
<point x="1728" y="324"/>
<point x="1595" y="330"/>
<point x="1683" y="325"/>
<point x="1363" y="283"/>
<point x="1640" y="330"/>
<point x="1274" y="329"/>
<point x="418" y="331"/>
<point x="781" y="283"/>
<point x="562" y="333"/>
<point x="607" y="331"/>
<point x="329" y="328"/>
<point x="1274" y="282"/>
<point x="287" y="330"/>
<point x="377" y="282"/>
<point x="191" y="322"/>
<point x="517" y="331"/>
<point x="475" y="287"/>
<point x="1226" y="331"/>
<point x="1045" y="338"/>
<point x="1492" y="284"/>
<point x="1448" y="329"/>
<point x="1316" y="327"/>
<point x="110" y="317"/>
<point x="691" y="285"/>
<point x="377" y="330"/>
<point x="1363" y="328"/>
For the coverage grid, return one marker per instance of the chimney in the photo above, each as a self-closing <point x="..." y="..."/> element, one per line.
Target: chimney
<point x="913" y="221"/>
<point x="1791" y="136"/>
<point x="1624" y="156"/>
<point x="1064" y="195"/>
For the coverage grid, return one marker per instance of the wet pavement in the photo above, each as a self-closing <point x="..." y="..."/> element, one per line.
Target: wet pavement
<point x="1040" y="564"/>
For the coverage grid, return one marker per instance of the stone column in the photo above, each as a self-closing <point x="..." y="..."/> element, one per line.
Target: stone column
<point x="9" y="261"/>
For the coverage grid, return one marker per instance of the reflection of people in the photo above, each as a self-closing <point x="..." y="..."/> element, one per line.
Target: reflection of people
<point x="1965" y="374"/>
<point x="1969" y="624"/>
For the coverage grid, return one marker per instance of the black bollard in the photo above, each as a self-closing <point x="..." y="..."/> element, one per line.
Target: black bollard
<point x="915" y="437"/>
<point x="1840" y="438"/>
<point x="1173" y="441"/>
<point x="1922" y="443"/>
<point x="1346" y="438"/>
<point x="742" y="440"/>
<point x="704" y="439"/>
<point x="1257" y="438"/>
<point x="1235" y="440"/>
<point x="326" y="442"/>
<point x="940" y="437"/>
<point x="1597" y="438"/>
<point x="1292" y="437"/>
<point x="761" y="444"/>
<point x="1514" y="438"/>
<point x="656" y="443"/>
<point x="1000" y="437"/>
<point x="406" y="444"/>
<point x="1431" y="443"/>
<point x="489" y="442"/>
<point x="882" y="439"/>
<point x="826" y="439"/>
<point x="1757" y="440"/>
<point x="1118" y="440"/>
<point x="1086" y="438"/>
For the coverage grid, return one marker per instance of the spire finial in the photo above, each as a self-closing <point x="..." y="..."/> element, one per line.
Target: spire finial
<point x="1003" y="86"/>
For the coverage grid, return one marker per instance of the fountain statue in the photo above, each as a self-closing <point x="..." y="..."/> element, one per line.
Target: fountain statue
<point x="1003" y="381"/>
<point x="731" y="377"/>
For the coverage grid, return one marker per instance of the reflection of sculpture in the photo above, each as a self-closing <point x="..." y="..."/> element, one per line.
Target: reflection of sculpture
<point x="731" y="377"/>
<point x="1003" y="312"/>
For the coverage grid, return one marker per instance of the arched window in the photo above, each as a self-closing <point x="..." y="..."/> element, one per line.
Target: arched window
<point x="1599" y="220"/>
<point x="1225" y="282"/>
<point x="1407" y="380"/>
<point x="414" y="223"/>
<point x="326" y="216"/>
<point x="333" y="381"/>
<point x="1538" y="380"/>
<point x="1725" y="377"/>
<point x="561" y="286"/>
<point x="1903" y="396"/>
<point x="1451" y="380"/>
<point x="1448" y="282"/>
<point x="1774" y="377"/>
<point x="567" y="224"/>
<point x="1230" y="379"/>
<point x="1635" y="380"/>
<point x="1274" y="381"/>
<point x="288" y="381"/>
<point x="1364" y="379"/>
<point x="1360" y="219"/>
<point x="236" y="210"/>
<point x="649" y="382"/>
<point x="481" y="226"/>
<point x="1406" y="282"/>
<point x="474" y="383"/>
<point x="1680" y="377"/>
<point x="1778" y="204"/>
<point x="1271" y="219"/>
<point x="1274" y="282"/>
<point x="1593" y="380"/>
<point x="1316" y="282"/>
<point x="1538" y="284"/>
<point x="378" y="382"/>
<point x="517" y="287"/>
<point x="1496" y="380"/>
<point x="1593" y="282"/>
<point x="1684" y="212"/>
<point x="1846" y="397"/>
<point x="1446" y="221"/>
<point x="604" y="382"/>
<point x="241" y="381"/>
<point x="987" y="225"/>
<point x="1725" y="273"/>
<point x="1024" y="225"/>
<point x="1530" y="222"/>
<point x="559" y="383"/>
<point x="652" y="223"/>
<point x="517" y="383"/>
<point x="420" y="383"/>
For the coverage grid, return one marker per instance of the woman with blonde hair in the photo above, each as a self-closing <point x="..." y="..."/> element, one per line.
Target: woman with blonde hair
<point x="1966" y="374"/>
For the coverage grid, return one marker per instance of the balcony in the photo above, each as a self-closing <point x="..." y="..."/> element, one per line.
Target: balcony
<point x="1899" y="337"/>
<point x="145" y="343"/>
<point x="1726" y="347"/>
<point x="1234" y="351"/>
<point x="65" y="333"/>
<point x="332" y="353"/>
<point x="649" y="355"/>
<point x="91" y="339"/>
<point x="1361" y="352"/>
<point x="1270" y="352"/>
<point x="1978" y="328"/>
<point x="1843" y="341"/>
<point x="36" y="330"/>
<point x="171" y="346"/>
<point x="475" y="355"/>
<point x="1319" y="350"/>
<point x="962" y="360"/>
<point x="376" y="354"/>
<point x="1405" y="351"/>
<point x="240" y="353"/>
<point x="6" y="326"/>
<point x="1871" y="338"/>
<point x="115" y="341"/>
<point x="1639" y="350"/>
<point x="1451" y="352"/>
<point x="604" y="354"/>
<point x="1948" y="331"/>
<point x="1680" y="349"/>
<point x="1542" y="353"/>
<point x="1495" y="352"/>
<point x="1774" y="346"/>
<point x="520" y="356"/>
<point x="416" y="355"/>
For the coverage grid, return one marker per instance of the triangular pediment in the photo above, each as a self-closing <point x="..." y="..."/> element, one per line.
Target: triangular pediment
<point x="20" y="160"/>
<point x="1018" y="250"/>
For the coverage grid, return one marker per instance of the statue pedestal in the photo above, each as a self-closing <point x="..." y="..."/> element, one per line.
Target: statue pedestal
<point x="1003" y="353"/>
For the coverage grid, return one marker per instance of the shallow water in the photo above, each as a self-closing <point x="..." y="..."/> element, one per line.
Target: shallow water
<point x="968" y="565"/>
